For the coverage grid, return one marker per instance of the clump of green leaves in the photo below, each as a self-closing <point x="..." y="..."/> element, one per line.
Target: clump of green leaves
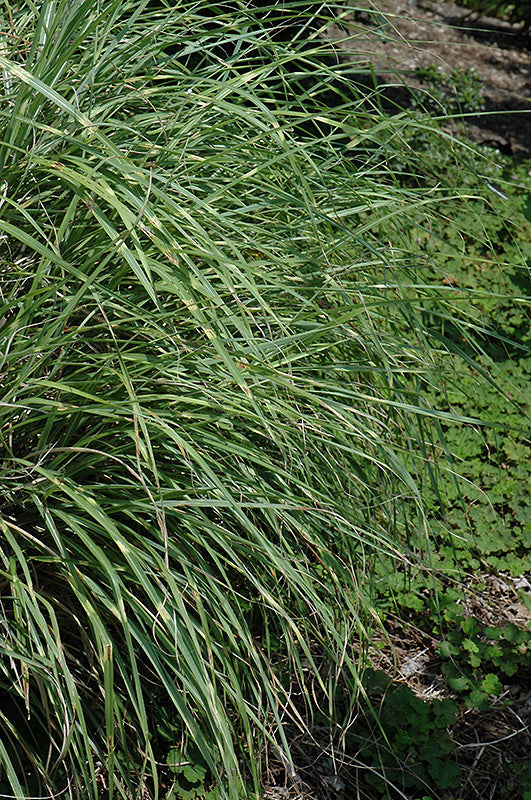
<point x="482" y="522"/>
<point x="459" y="91"/>
<point x="519" y="11"/>
<point x="189" y="775"/>
<point x="477" y="658"/>
<point x="405" y="739"/>
<point x="519" y="780"/>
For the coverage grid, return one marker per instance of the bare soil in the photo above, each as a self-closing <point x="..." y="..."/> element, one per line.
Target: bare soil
<point x="399" y="37"/>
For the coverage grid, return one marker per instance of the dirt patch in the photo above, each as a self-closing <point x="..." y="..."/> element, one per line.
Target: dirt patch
<point x="399" y="37"/>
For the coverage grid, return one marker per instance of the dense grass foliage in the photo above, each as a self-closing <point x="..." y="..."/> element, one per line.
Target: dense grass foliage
<point x="214" y="409"/>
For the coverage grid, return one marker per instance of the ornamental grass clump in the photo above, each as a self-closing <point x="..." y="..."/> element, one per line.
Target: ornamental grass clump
<point x="212" y="366"/>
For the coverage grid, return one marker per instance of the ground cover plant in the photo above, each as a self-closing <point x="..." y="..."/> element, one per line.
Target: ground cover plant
<point x="494" y="503"/>
<point x="481" y="526"/>
<point x="216" y="417"/>
<point x="511" y="12"/>
<point x="485" y="250"/>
